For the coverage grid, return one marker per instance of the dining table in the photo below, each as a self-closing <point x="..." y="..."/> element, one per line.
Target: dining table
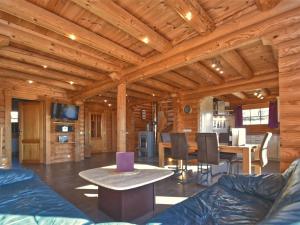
<point x="244" y="150"/>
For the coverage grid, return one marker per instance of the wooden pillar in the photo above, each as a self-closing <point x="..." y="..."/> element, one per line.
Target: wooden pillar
<point x="7" y="124"/>
<point x="121" y="118"/>
<point x="289" y="106"/>
<point x="47" y="155"/>
<point x="79" y="134"/>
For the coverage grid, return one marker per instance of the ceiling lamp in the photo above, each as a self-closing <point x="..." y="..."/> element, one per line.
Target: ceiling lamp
<point x="188" y="16"/>
<point x="255" y="93"/>
<point x="72" y="37"/>
<point x="105" y="100"/>
<point x="216" y="64"/>
<point x="45" y="66"/>
<point x="71" y="82"/>
<point x="30" y="81"/>
<point x="145" y="40"/>
<point x="109" y="105"/>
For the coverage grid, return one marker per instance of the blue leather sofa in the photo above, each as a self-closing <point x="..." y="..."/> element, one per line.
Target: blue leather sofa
<point x="272" y="199"/>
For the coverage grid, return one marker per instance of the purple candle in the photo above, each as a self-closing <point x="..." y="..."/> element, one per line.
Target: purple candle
<point x="125" y="161"/>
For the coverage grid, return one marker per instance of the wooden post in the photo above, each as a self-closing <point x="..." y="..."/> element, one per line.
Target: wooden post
<point x="47" y="152"/>
<point x="121" y="118"/>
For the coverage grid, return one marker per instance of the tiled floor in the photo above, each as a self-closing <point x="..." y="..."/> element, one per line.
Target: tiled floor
<point x="64" y="179"/>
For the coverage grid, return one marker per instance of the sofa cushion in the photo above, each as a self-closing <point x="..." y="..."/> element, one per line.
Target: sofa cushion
<point x="9" y="176"/>
<point x="267" y="186"/>
<point x="32" y="202"/>
<point x="287" y="206"/>
<point x="216" y="205"/>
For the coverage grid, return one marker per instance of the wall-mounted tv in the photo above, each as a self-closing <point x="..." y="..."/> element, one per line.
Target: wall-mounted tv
<point x="64" y="111"/>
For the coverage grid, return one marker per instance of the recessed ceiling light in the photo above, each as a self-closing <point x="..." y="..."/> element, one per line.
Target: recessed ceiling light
<point x="259" y="95"/>
<point x="153" y="94"/>
<point x="217" y="69"/>
<point x="45" y="66"/>
<point x="71" y="82"/>
<point x="72" y="37"/>
<point x="105" y="100"/>
<point x="188" y="16"/>
<point x="221" y="72"/>
<point x="30" y="81"/>
<point x="262" y="97"/>
<point x="109" y="105"/>
<point x="213" y="65"/>
<point x="255" y="94"/>
<point x="145" y="40"/>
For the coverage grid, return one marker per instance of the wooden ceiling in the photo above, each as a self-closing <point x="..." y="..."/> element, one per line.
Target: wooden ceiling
<point x="159" y="47"/>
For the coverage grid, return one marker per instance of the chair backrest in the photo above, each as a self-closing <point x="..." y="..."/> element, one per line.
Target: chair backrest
<point x="179" y="146"/>
<point x="165" y="137"/>
<point x="264" y="149"/>
<point x="208" y="148"/>
<point x="223" y="137"/>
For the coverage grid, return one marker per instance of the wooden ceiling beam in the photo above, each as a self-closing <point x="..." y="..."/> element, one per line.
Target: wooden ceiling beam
<point x="25" y="76"/>
<point x="44" y="18"/>
<point x="135" y="94"/>
<point x="40" y="60"/>
<point x="240" y="95"/>
<point x="193" y="14"/>
<point x="205" y="72"/>
<point x="234" y="59"/>
<point x="159" y="85"/>
<point x="39" y="71"/>
<point x="265" y="92"/>
<point x="247" y="29"/>
<point x="263" y="81"/>
<point x="94" y="90"/>
<point x="54" y="47"/>
<point x="264" y="5"/>
<point x="184" y="82"/>
<point x="4" y="41"/>
<point x="143" y="89"/>
<point x="117" y="16"/>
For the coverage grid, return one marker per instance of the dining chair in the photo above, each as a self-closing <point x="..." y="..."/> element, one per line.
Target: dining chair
<point x="263" y="154"/>
<point x="208" y="152"/>
<point x="180" y="152"/>
<point x="228" y="157"/>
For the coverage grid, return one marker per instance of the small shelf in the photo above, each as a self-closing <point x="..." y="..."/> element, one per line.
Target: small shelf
<point x="64" y="122"/>
<point x="65" y="143"/>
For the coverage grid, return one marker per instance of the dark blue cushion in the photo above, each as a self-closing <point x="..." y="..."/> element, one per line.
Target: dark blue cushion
<point x="10" y="176"/>
<point x="267" y="186"/>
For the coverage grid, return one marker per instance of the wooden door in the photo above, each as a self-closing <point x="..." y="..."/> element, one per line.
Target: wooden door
<point x="31" y="132"/>
<point x="96" y="130"/>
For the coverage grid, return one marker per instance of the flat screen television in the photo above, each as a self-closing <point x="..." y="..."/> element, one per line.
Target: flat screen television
<point x="64" y="111"/>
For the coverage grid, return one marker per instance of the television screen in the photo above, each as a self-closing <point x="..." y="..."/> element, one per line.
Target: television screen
<point x="64" y="111"/>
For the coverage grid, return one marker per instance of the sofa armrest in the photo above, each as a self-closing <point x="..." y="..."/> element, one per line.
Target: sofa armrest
<point x="267" y="186"/>
<point x="10" y="176"/>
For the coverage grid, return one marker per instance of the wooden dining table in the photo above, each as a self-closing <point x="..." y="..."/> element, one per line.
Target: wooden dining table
<point x="245" y="151"/>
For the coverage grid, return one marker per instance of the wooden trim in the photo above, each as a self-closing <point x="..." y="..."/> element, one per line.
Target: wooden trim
<point x="7" y="123"/>
<point x="117" y="16"/>
<point x="44" y="18"/>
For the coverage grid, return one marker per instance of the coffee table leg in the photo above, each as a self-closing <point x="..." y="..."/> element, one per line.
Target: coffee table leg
<point x="126" y="205"/>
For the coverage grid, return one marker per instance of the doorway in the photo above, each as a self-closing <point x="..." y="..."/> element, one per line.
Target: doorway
<point x="27" y="131"/>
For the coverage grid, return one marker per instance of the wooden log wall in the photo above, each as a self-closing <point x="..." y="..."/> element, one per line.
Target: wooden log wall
<point x="187" y="121"/>
<point x="289" y="93"/>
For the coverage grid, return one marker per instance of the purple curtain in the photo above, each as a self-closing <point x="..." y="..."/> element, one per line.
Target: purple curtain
<point x="238" y="112"/>
<point x="273" y="115"/>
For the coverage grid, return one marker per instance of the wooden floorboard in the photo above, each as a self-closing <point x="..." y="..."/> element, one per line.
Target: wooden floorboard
<point x="64" y="179"/>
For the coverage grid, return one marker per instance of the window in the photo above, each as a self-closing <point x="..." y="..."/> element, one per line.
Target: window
<point x="95" y="125"/>
<point x="14" y="117"/>
<point x="255" y="116"/>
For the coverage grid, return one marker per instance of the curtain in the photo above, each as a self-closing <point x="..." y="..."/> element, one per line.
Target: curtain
<point x="273" y="115"/>
<point x="238" y="112"/>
